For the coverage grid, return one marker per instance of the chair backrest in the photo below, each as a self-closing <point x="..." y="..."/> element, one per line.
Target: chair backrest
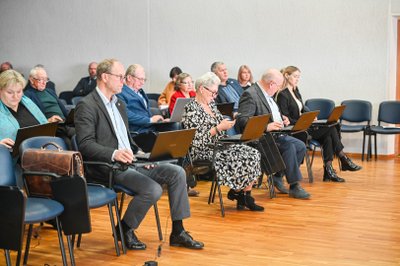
<point x="12" y="213"/>
<point x="67" y="96"/>
<point x="325" y="106"/>
<point x="7" y="175"/>
<point x="357" y="111"/>
<point x="153" y="103"/>
<point x="75" y="100"/>
<point x="153" y="96"/>
<point x="38" y="142"/>
<point x="389" y="112"/>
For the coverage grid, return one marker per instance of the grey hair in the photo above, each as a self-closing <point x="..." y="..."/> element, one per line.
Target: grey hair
<point x="207" y="80"/>
<point x="35" y="69"/>
<point x="215" y="65"/>
<point x="132" y="69"/>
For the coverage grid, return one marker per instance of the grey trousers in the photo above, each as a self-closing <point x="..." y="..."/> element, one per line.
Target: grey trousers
<point x="147" y="185"/>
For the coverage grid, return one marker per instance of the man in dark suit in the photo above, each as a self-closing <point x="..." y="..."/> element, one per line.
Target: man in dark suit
<point x="86" y="84"/>
<point x="229" y="90"/>
<point x="257" y="100"/>
<point x="102" y="135"/>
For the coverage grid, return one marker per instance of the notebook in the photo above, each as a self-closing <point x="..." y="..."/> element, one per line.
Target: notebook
<point x="24" y="133"/>
<point x="169" y="145"/>
<point x="177" y="113"/>
<point x="333" y="117"/>
<point x="226" y="109"/>
<point x="253" y="130"/>
<point x="303" y="123"/>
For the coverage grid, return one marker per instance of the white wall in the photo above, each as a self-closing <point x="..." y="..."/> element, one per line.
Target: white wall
<point x="343" y="47"/>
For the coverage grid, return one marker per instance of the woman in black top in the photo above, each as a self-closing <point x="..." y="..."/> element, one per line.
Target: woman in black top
<point x="291" y="105"/>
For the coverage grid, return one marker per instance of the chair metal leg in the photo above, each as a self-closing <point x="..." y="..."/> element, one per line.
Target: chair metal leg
<point x="8" y="257"/>
<point x="71" y="250"/>
<point x="211" y="189"/>
<point x="312" y="156"/>
<point x="363" y="146"/>
<point x="221" y="202"/>
<point x="28" y="243"/>
<point x="309" y="168"/>
<point x="271" y="188"/>
<point x="78" y="243"/>
<point x="121" y="233"/>
<point x="121" y="203"/>
<point x="110" y="212"/>
<point x="376" y="151"/>
<point x="61" y="242"/>
<point x="160" y="236"/>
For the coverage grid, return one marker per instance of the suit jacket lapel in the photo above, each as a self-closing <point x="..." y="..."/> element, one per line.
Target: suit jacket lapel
<point x="262" y="98"/>
<point x="103" y="109"/>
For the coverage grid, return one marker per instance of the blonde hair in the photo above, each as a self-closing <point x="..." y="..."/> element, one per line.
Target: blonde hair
<point x="11" y="77"/>
<point x="241" y="68"/>
<point x="179" y="80"/>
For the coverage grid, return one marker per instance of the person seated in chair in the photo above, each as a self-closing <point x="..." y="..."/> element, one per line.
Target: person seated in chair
<point x="291" y="105"/>
<point x="86" y="84"/>
<point x="169" y="89"/>
<point x="229" y="90"/>
<point x="183" y="89"/>
<point x="257" y="100"/>
<point x="16" y="109"/>
<point x="237" y="166"/>
<point x="102" y="135"/>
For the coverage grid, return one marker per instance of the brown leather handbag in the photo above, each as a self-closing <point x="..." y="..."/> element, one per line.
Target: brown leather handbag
<point x="58" y="161"/>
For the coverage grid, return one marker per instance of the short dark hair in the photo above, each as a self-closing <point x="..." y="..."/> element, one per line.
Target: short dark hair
<point x="175" y="71"/>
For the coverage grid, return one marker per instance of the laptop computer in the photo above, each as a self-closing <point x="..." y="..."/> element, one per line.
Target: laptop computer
<point x="177" y="113"/>
<point x="253" y="130"/>
<point x="333" y="117"/>
<point x="226" y="108"/>
<point x="24" y="133"/>
<point x="69" y="120"/>
<point x="302" y="124"/>
<point x="169" y="145"/>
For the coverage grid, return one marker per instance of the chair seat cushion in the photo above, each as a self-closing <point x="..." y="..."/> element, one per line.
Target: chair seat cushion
<point x="39" y="210"/>
<point x="120" y="188"/>
<point x="352" y="128"/>
<point x="99" y="196"/>
<point x="385" y="130"/>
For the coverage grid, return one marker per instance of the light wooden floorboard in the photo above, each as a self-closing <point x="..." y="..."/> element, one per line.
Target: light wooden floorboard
<point x="355" y="223"/>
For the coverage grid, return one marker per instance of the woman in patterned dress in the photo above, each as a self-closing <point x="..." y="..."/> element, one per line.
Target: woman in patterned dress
<point x="237" y="166"/>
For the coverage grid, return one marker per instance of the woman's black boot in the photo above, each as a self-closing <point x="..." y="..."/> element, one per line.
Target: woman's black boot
<point x="239" y="196"/>
<point x="330" y="174"/>
<point x="250" y="203"/>
<point x="346" y="164"/>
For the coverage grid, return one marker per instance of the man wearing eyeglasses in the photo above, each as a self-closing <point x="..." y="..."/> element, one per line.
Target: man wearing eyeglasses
<point x="102" y="134"/>
<point x="47" y="100"/>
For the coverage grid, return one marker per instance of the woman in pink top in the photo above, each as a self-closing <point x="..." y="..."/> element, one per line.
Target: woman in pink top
<point x="183" y="89"/>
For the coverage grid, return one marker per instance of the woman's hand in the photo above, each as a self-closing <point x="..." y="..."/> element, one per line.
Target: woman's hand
<point x="9" y="143"/>
<point x="225" y="124"/>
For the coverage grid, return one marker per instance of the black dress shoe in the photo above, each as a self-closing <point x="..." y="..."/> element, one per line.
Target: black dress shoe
<point x="131" y="240"/>
<point x="184" y="240"/>
<point x="330" y="175"/>
<point x="346" y="164"/>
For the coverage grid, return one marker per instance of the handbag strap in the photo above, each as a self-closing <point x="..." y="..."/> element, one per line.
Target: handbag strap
<point x="44" y="147"/>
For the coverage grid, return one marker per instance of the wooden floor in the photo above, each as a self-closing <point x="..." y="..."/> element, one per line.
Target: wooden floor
<point x="355" y="223"/>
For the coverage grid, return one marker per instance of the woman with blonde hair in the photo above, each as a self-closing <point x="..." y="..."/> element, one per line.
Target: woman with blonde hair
<point x="245" y="77"/>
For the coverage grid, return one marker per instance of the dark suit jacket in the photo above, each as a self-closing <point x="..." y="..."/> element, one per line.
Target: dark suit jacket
<point x="83" y="87"/>
<point x="95" y="133"/>
<point x="30" y="92"/>
<point x="138" y="114"/>
<point x="252" y="103"/>
<point x="288" y="105"/>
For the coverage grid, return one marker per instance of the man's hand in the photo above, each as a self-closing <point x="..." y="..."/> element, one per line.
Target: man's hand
<point x="124" y="156"/>
<point x="9" y="143"/>
<point x="55" y="118"/>
<point x="286" y="121"/>
<point x="274" y="126"/>
<point x="156" y="118"/>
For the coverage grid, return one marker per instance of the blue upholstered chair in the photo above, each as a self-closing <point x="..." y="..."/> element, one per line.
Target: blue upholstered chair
<point x="357" y="111"/>
<point x="98" y="195"/>
<point x="389" y="113"/>
<point x="18" y="210"/>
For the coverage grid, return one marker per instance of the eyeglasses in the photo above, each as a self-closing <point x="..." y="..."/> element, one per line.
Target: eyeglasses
<point x="213" y="93"/>
<point x="140" y="79"/>
<point x="121" y="77"/>
<point x="187" y="83"/>
<point x="45" y="80"/>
